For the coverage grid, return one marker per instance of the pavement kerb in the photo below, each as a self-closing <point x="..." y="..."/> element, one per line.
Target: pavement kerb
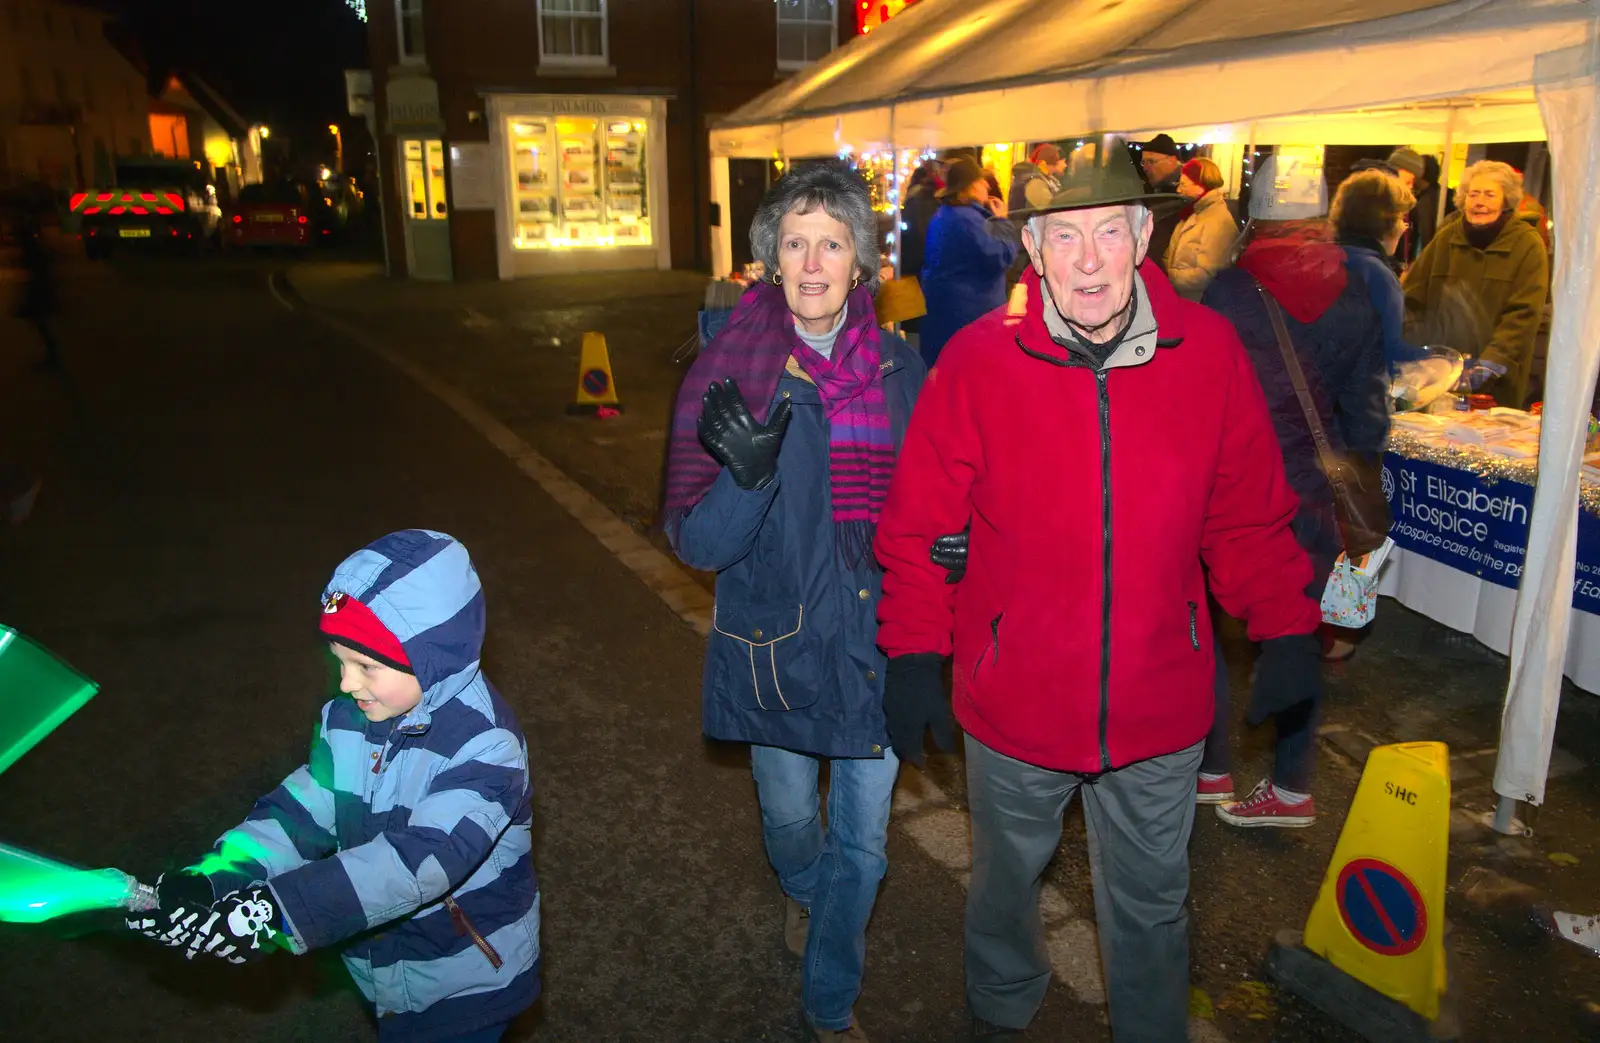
<point x="671" y="584"/>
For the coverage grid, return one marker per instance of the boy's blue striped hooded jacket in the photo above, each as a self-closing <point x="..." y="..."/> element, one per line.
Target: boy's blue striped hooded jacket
<point x="409" y="839"/>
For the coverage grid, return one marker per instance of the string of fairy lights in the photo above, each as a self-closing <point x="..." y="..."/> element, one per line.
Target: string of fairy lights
<point x="359" y="7"/>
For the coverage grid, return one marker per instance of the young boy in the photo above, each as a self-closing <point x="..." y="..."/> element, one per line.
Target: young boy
<point x="406" y="837"/>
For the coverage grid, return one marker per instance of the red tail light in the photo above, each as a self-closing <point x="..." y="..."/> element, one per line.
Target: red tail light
<point x="301" y="219"/>
<point x="238" y="219"/>
<point x="78" y="198"/>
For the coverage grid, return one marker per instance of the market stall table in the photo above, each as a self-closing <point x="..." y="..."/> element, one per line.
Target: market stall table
<point x="1461" y="509"/>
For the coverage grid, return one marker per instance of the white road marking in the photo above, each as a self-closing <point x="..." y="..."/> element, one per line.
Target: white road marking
<point x="272" y="281"/>
<point x="658" y="572"/>
<point x="924" y="811"/>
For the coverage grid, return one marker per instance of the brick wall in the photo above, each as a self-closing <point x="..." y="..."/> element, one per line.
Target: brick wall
<point x="706" y="56"/>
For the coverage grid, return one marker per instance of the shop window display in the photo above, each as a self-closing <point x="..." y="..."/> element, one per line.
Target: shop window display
<point x="578" y="182"/>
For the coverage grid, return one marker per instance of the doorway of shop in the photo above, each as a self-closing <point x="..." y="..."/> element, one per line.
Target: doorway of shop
<point x="426" y="209"/>
<point x="748" y="181"/>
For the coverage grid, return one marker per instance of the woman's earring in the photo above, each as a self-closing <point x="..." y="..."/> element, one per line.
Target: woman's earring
<point x="855" y="282"/>
<point x="777" y="278"/>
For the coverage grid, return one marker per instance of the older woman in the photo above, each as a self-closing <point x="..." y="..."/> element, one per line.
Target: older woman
<point x="775" y="477"/>
<point x="968" y="249"/>
<point x="1206" y="230"/>
<point x="1480" y="285"/>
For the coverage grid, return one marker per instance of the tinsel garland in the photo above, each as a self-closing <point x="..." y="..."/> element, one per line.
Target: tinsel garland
<point x="1490" y="467"/>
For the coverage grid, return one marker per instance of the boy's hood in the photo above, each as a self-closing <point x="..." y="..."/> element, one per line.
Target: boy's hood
<point x="422" y="586"/>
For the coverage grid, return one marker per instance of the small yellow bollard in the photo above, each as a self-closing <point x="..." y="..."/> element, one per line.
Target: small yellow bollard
<point x="597" y="389"/>
<point x="1380" y="914"/>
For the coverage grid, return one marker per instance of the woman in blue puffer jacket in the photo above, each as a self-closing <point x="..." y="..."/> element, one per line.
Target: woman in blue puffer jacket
<point x="775" y="477"/>
<point x="969" y="247"/>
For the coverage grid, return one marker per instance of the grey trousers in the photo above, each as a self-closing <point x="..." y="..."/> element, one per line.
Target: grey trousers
<point x="1139" y="819"/>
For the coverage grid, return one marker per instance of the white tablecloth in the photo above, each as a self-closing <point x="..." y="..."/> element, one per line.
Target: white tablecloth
<point x="1464" y="602"/>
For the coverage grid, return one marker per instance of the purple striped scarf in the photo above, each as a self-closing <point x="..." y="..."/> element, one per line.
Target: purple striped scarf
<point x="753" y="349"/>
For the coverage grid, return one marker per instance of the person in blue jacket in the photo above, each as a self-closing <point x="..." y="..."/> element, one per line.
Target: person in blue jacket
<point x="1337" y="336"/>
<point x="783" y="442"/>
<point x="1368" y="219"/>
<point x="406" y="837"/>
<point x="968" y="249"/>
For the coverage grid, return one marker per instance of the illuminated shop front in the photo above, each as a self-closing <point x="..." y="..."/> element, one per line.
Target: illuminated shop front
<point x="583" y="182"/>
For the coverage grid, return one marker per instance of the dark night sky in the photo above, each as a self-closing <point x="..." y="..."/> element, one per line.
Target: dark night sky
<point x="278" y="62"/>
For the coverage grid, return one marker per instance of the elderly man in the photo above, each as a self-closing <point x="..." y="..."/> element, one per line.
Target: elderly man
<point x="1158" y="158"/>
<point x="1108" y="444"/>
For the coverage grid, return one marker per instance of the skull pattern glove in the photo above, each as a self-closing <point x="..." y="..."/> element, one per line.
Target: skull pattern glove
<point x="241" y="926"/>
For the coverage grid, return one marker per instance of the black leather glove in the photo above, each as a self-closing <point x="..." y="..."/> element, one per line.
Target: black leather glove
<point x="748" y="450"/>
<point x="914" y="702"/>
<point x="1288" y="672"/>
<point x="950" y="553"/>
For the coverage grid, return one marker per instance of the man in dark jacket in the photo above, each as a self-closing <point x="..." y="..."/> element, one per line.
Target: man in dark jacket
<point x="1158" y="159"/>
<point x="1082" y="656"/>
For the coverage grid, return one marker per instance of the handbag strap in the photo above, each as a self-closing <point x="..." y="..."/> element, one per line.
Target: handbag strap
<point x="1297" y="376"/>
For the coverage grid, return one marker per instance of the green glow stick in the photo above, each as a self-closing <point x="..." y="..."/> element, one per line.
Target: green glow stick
<point x="37" y="693"/>
<point x="34" y="888"/>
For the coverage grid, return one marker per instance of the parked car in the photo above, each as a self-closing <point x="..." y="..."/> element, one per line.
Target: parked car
<point x="154" y="203"/>
<point x="280" y="213"/>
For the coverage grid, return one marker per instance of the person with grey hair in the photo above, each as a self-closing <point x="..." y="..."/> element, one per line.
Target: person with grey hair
<point x="1108" y="448"/>
<point x="1480" y="284"/>
<point x="783" y="442"/>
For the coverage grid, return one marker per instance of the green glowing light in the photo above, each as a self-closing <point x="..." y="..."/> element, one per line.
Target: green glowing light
<point x="37" y="693"/>
<point x="233" y="855"/>
<point x="34" y="888"/>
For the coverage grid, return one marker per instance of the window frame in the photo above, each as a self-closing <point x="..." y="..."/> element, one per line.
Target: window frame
<point x="403" y="10"/>
<point x="789" y="64"/>
<point x="601" y="60"/>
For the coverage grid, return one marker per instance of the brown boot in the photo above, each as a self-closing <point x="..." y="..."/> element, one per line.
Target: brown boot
<point x="796" y="925"/>
<point x="853" y="1034"/>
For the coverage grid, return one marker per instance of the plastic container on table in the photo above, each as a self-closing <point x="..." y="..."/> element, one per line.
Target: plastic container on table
<point x="37" y="692"/>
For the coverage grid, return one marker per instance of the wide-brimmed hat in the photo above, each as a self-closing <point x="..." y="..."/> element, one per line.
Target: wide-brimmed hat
<point x="962" y="172"/>
<point x="1110" y="178"/>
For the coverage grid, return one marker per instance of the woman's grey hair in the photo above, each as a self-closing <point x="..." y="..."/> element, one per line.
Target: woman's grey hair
<point x="841" y="194"/>
<point x="1504" y="173"/>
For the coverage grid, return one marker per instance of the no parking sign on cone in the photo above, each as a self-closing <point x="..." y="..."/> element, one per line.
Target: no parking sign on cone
<point x="597" y="389"/>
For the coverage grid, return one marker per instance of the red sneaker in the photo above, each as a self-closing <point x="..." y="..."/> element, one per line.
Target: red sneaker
<point x="1214" y="791"/>
<point x="1263" y="807"/>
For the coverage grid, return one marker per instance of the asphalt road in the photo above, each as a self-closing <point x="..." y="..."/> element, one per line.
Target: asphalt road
<point x="211" y="455"/>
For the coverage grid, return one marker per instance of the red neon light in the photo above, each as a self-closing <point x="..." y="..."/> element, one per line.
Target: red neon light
<point x="148" y="197"/>
<point x="77" y="199"/>
<point x="118" y="210"/>
<point x="138" y="210"/>
<point x="163" y="209"/>
<point x="103" y="197"/>
<point x="91" y="210"/>
<point x="176" y="201"/>
<point x="302" y="218"/>
<point x="237" y="219"/>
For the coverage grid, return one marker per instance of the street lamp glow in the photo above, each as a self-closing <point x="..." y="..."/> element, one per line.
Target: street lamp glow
<point x="266" y="131"/>
<point x="333" y="128"/>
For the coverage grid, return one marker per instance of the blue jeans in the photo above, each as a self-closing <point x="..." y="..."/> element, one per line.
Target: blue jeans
<point x="833" y="872"/>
